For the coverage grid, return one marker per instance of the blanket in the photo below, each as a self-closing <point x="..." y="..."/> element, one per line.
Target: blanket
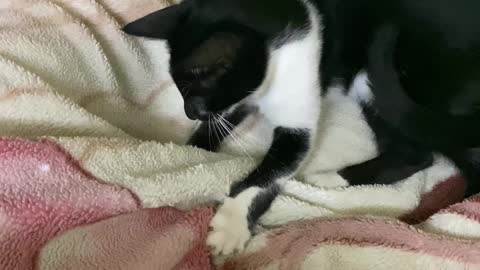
<point x="94" y="173"/>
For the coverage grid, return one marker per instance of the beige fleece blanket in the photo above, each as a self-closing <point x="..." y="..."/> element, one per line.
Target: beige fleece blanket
<point x="104" y="103"/>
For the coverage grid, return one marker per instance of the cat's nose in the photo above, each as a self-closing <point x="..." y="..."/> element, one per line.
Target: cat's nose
<point x="195" y="109"/>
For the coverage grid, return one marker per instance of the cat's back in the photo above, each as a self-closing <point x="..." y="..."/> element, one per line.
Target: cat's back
<point x="438" y="53"/>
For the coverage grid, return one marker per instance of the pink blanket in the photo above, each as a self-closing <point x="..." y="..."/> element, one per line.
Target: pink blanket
<point x="56" y="215"/>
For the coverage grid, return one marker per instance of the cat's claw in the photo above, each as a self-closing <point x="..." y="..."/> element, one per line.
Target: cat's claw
<point x="230" y="231"/>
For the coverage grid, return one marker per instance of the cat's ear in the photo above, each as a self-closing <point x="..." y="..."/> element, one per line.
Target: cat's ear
<point x="160" y="24"/>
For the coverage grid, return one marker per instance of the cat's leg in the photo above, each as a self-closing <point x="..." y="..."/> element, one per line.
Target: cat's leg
<point x="388" y="168"/>
<point x="252" y="197"/>
<point x="209" y="137"/>
<point x="398" y="158"/>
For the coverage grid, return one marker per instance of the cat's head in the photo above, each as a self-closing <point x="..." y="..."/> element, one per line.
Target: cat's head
<point x="215" y="60"/>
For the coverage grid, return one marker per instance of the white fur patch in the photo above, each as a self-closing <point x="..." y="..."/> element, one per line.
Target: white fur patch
<point x="290" y="93"/>
<point x="229" y="226"/>
<point x="344" y="138"/>
<point x="360" y="89"/>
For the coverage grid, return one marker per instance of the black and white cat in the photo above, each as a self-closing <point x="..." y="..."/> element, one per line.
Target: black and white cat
<point x="414" y="66"/>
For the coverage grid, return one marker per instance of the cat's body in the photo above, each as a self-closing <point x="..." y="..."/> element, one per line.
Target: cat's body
<point x="413" y="65"/>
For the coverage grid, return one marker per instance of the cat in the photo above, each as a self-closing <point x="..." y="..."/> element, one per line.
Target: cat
<point x="413" y="66"/>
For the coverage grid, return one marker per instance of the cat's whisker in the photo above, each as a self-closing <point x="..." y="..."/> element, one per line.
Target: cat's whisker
<point x="209" y="132"/>
<point x="247" y="139"/>
<point x="230" y="128"/>
<point x="217" y="125"/>
<point x="234" y="137"/>
<point x="215" y="129"/>
<point x="223" y="132"/>
<point x="184" y="87"/>
<point x="188" y="91"/>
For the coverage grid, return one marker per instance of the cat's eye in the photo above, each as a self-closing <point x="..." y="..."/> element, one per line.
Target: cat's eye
<point x="200" y="71"/>
<point x="209" y="70"/>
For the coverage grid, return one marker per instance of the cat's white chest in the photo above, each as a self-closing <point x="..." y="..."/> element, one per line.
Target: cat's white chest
<point x="290" y="94"/>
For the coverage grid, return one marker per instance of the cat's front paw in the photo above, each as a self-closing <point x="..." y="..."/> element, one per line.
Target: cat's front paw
<point x="230" y="230"/>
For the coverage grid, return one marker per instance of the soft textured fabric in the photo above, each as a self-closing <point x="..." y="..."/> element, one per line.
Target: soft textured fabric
<point x="92" y="162"/>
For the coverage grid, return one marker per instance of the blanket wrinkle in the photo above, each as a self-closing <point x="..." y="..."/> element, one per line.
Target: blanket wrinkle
<point x="163" y="238"/>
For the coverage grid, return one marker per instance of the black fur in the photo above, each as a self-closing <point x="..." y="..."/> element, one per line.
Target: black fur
<point x="261" y="204"/>
<point x="289" y="148"/>
<point x="209" y="137"/>
<point x="436" y="128"/>
<point x="422" y="57"/>
<point x="399" y="158"/>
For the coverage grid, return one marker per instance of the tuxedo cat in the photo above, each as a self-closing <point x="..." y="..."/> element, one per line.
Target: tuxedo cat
<point x="414" y="66"/>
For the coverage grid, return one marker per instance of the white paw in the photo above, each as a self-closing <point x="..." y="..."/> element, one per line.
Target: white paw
<point x="230" y="230"/>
